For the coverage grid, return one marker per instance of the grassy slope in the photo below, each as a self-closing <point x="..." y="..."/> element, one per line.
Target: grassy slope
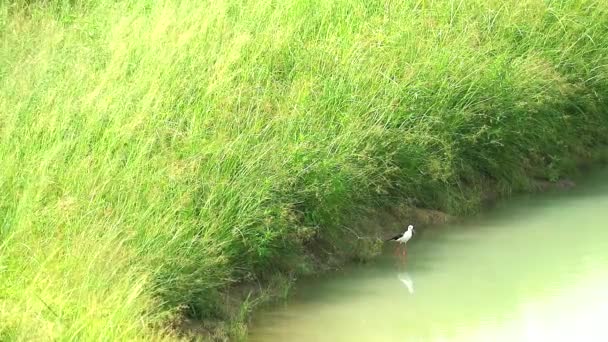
<point x="154" y="152"/>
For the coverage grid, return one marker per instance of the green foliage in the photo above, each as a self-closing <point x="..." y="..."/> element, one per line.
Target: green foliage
<point x="155" y="152"/>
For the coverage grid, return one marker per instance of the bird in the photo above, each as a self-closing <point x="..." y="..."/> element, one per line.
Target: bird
<point x="402" y="239"/>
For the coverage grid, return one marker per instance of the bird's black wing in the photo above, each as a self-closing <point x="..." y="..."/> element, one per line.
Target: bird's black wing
<point x="395" y="238"/>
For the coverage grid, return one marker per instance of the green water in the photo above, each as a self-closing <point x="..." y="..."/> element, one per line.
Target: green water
<point x="533" y="269"/>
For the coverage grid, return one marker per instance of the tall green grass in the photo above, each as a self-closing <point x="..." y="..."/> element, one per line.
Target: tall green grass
<point x="155" y="152"/>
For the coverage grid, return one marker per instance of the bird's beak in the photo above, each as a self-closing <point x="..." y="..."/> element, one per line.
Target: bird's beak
<point x="413" y="231"/>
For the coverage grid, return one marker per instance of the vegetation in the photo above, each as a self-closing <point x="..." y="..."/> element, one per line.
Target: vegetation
<point x="155" y="153"/>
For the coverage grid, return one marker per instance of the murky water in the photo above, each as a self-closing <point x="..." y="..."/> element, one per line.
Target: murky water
<point x="533" y="269"/>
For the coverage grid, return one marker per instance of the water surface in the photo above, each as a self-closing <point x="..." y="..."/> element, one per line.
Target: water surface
<point x="533" y="269"/>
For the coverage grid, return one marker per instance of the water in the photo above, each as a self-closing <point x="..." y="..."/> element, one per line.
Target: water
<point x="533" y="269"/>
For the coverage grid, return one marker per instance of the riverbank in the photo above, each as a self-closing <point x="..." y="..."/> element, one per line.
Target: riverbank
<point x="156" y="154"/>
<point x="371" y="232"/>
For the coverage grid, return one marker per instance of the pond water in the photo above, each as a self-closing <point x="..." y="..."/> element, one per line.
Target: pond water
<point x="535" y="268"/>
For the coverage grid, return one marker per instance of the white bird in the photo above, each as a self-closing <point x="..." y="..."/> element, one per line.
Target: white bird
<point x="405" y="237"/>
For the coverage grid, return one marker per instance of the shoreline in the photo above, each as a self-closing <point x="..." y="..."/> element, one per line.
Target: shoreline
<point x="378" y="224"/>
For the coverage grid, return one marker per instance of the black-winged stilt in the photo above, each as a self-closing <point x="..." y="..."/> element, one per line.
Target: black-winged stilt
<point x="402" y="239"/>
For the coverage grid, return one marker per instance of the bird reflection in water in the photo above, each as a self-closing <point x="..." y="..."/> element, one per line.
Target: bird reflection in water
<point x="407" y="280"/>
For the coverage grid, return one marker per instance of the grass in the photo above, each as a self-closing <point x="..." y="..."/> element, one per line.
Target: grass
<point x="155" y="153"/>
